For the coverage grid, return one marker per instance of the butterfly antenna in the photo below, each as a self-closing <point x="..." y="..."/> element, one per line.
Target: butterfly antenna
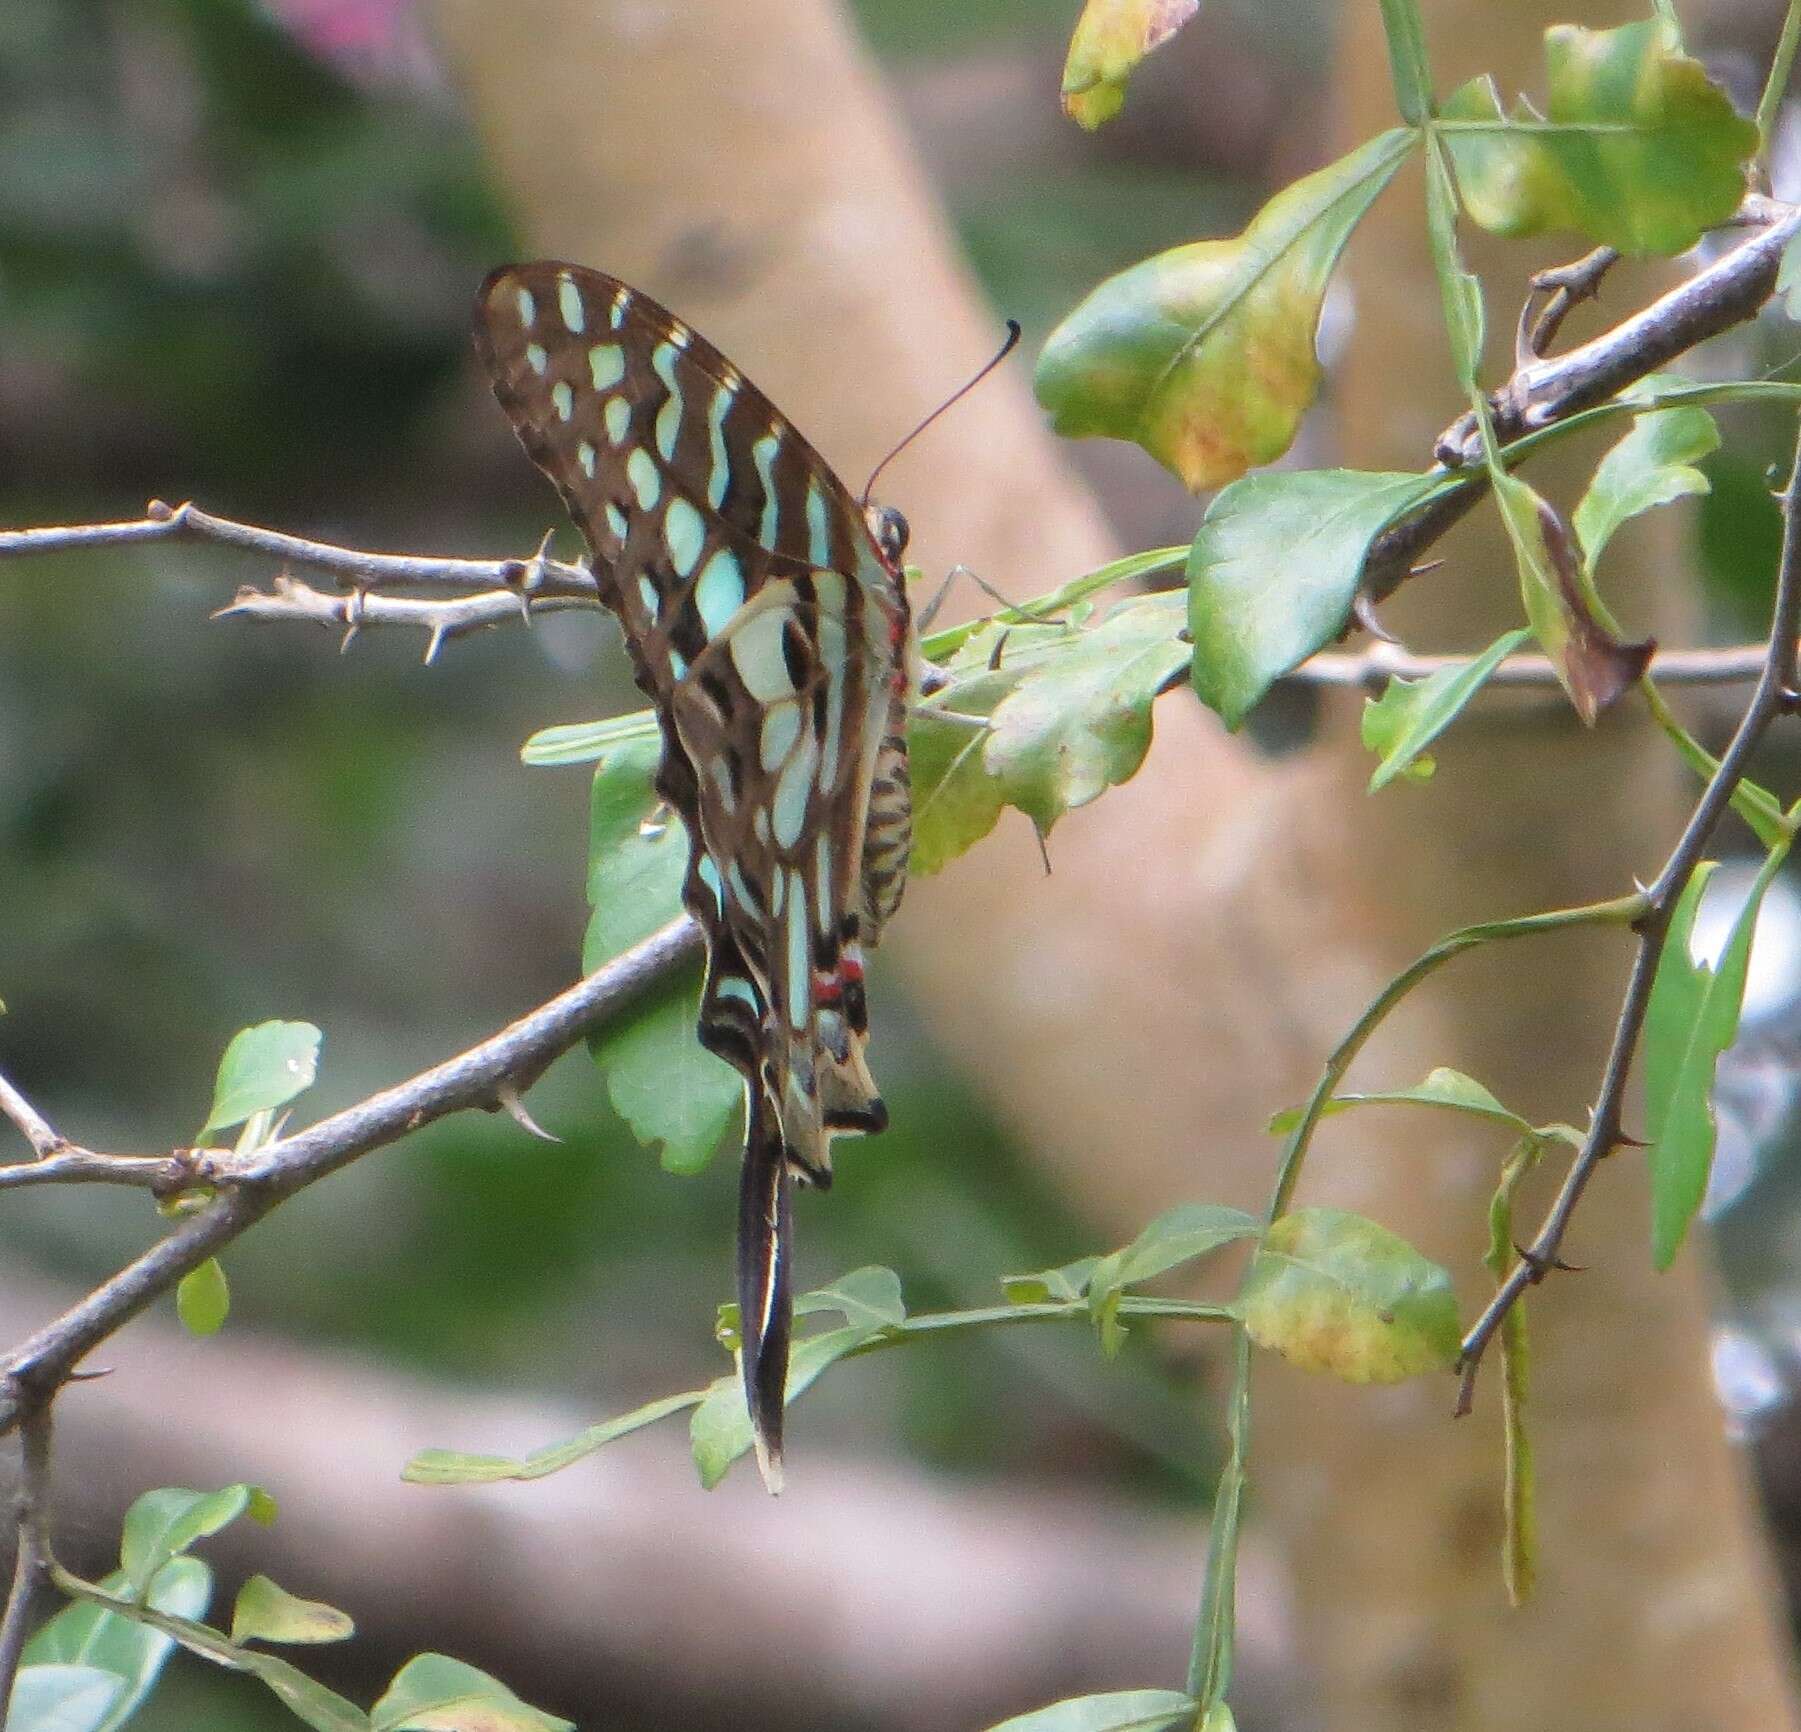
<point x="956" y="396"/>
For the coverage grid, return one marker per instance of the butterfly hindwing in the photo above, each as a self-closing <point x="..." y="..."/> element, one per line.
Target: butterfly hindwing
<point x="767" y="629"/>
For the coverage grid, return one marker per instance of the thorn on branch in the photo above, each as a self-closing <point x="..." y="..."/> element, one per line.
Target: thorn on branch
<point x="1363" y="610"/>
<point x="513" y="1105"/>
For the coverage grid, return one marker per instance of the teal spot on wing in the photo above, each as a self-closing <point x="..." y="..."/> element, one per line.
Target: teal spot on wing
<point x="720" y="475"/>
<point x="618" y="418"/>
<point x="669" y="417"/>
<point x="762" y="454"/>
<point x="562" y="397"/>
<point x="719" y="590"/>
<point x="781" y="728"/>
<point x="606" y="364"/>
<point x="734" y="986"/>
<point x="641" y="472"/>
<point x="709" y="876"/>
<point x="528" y="307"/>
<point x="569" y="303"/>
<point x="799" y="985"/>
<point x="792" y="789"/>
<point x="535" y="357"/>
<point x="684" y="534"/>
<point x="756" y="650"/>
<point x="819" y="529"/>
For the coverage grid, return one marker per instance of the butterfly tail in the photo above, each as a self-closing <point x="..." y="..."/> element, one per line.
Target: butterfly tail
<point x="765" y="1303"/>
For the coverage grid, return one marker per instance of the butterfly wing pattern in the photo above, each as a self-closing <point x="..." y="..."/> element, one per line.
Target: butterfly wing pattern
<point x="766" y="619"/>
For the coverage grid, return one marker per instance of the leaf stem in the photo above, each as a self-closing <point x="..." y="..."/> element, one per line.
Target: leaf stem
<point x="1210" y="1664"/>
<point x="1782" y="63"/>
<point x="1619" y="911"/>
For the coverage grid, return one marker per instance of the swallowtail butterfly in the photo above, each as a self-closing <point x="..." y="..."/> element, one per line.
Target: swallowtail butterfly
<point x="766" y="618"/>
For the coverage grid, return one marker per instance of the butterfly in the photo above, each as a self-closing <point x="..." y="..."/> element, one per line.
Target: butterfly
<point x="766" y="617"/>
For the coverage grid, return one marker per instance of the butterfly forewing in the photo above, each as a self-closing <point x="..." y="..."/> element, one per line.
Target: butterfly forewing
<point x="768" y="631"/>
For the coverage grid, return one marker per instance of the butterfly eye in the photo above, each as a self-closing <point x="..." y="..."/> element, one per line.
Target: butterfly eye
<point x="890" y="531"/>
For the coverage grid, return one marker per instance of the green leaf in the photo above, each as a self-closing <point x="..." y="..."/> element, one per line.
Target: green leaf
<point x="1443" y="1087"/>
<point x="1653" y="465"/>
<point x="1691" y="1019"/>
<point x="1331" y="1291"/>
<point x="865" y="1296"/>
<point x="585" y="742"/>
<point x="1204" y="355"/>
<point x="203" y="1300"/>
<point x="1409" y="69"/>
<point x="955" y="801"/>
<point x="266" y="1612"/>
<point x="1110" y="39"/>
<point x="263" y="1067"/>
<point x="1065" y="1284"/>
<point x="660" y="1079"/>
<point x="322" y="1709"/>
<point x="1637" y="148"/>
<point x="1788" y="278"/>
<point x="1116" y="1711"/>
<point x="1177" y="1236"/>
<point x="434" y="1693"/>
<point x="1519" y="1496"/>
<point x="1273" y="572"/>
<point x="83" y="1635"/>
<point x="54" y="1698"/>
<point x="1188" y="1231"/>
<point x="1042" y="717"/>
<point x="1411" y="714"/>
<point x="451" y="1467"/>
<point x="163" y="1524"/>
<point x="1079" y="722"/>
<point x="720" y="1430"/>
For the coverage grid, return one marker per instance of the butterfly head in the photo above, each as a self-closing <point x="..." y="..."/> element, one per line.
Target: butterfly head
<point x="888" y="530"/>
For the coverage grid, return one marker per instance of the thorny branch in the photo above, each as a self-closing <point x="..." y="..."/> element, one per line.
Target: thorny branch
<point x="1774" y="695"/>
<point x="1729" y="291"/>
<point x="452" y="617"/>
<point x="488" y="1075"/>
<point x="31" y="1563"/>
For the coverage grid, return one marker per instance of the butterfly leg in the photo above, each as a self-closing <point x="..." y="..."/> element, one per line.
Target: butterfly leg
<point x="930" y="611"/>
<point x="765" y="1301"/>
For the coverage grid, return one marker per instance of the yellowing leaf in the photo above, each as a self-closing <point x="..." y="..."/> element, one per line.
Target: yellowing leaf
<point x="1204" y="355"/>
<point x="267" y="1612"/>
<point x="1110" y="39"/>
<point x="1637" y="148"/>
<point x="1331" y="1291"/>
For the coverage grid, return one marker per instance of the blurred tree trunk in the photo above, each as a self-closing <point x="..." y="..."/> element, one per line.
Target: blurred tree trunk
<point x="1212" y="928"/>
<point x="1657" y="1606"/>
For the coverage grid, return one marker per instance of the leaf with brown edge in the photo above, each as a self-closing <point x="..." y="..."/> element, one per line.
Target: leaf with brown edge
<point x="1109" y="40"/>
<point x="1595" y="666"/>
<point x="1598" y="667"/>
<point x="1204" y="355"/>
